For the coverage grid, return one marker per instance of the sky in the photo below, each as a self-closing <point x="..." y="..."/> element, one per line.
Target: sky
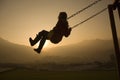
<point x="21" y="19"/>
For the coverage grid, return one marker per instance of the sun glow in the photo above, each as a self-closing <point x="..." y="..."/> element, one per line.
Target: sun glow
<point x="46" y="45"/>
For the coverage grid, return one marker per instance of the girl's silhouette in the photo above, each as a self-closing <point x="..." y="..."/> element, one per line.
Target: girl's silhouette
<point x="55" y="35"/>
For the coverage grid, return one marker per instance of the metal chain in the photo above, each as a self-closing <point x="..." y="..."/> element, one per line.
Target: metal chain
<point x="84" y="8"/>
<point x="89" y="18"/>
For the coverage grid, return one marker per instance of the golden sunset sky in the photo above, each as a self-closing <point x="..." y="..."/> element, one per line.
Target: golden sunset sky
<point x="21" y="19"/>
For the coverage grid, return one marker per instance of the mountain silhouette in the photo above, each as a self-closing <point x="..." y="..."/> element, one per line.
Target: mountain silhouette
<point x="85" y="51"/>
<point x="14" y="53"/>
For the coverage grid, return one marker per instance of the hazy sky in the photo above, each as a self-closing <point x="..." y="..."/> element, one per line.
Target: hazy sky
<point x="20" y="19"/>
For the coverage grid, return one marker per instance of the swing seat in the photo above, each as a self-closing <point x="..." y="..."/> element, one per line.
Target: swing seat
<point x="50" y="34"/>
<point x="54" y="37"/>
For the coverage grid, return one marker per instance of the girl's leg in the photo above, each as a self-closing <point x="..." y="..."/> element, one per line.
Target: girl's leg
<point x="37" y="38"/>
<point x="42" y="42"/>
<point x="33" y="42"/>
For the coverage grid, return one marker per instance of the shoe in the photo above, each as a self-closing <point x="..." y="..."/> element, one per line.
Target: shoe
<point x="37" y="50"/>
<point x="31" y="41"/>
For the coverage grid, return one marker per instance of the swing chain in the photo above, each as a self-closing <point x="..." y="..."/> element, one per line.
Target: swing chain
<point x="89" y="18"/>
<point x="84" y="9"/>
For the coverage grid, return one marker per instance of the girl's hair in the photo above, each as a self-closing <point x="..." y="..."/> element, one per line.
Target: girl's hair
<point x="62" y="15"/>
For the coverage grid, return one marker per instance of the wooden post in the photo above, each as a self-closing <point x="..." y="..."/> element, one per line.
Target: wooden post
<point x="115" y="39"/>
<point x="118" y="9"/>
<point x="116" y="4"/>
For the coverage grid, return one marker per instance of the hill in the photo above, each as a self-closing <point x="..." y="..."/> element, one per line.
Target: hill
<point x="86" y="51"/>
<point x="14" y="53"/>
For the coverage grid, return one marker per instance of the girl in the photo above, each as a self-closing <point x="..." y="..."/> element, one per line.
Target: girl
<point x="55" y="35"/>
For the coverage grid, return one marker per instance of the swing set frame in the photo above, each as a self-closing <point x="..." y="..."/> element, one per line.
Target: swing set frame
<point x="111" y="8"/>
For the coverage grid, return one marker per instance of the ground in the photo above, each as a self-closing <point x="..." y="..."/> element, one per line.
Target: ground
<point x="23" y="74"/>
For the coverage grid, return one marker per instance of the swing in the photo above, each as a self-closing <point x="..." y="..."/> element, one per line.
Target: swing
<point x="56" y="38"/>
<point x="50" y="34"/>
